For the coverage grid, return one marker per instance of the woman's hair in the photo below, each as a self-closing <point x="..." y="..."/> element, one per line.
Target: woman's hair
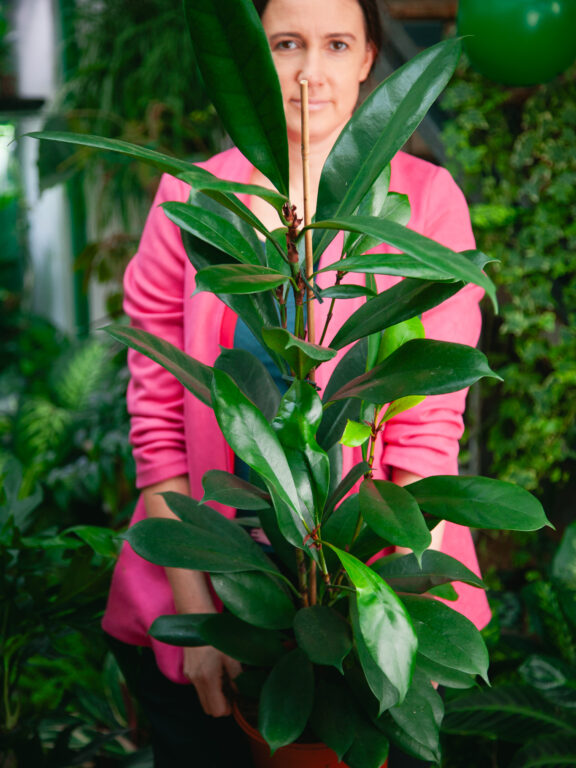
<point x="374" y="33"/>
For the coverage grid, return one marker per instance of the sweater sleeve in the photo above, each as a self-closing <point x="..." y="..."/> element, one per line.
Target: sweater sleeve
<point x="154" y="301"/>
<point x="425" y="439"/>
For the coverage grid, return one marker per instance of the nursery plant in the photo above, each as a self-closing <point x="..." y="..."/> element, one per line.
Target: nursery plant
<point x="338" y="646"/>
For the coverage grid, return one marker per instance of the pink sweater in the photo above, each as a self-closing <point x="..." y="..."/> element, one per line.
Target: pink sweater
<point x="170" y="426"/>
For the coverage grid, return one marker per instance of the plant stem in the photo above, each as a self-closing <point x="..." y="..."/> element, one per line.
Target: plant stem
<point x="339" y="276"/>
<point x="302" y="577"/>
<point x="312" y="586"/>
<point x="307" y="216"/>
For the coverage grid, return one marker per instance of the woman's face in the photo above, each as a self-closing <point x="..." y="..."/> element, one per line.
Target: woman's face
<point x="324" y="42"/>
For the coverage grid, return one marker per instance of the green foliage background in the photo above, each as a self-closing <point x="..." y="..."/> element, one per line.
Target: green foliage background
<point x="514" y="152"/>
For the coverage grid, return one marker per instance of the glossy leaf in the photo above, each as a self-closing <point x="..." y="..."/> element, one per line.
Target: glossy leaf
<point x="214" y="184"/>
<point x="257" y="598"/>
<point x="401" y="405"/>
<point x="339" y="529"/>
<point x="447" y="637"/>
<point x="404" y="300"/>
<point x="385" y="626"/>
<point x="206" y="546"/>
<point x="238" y="278"/>
<point x="345" y="292"/>
<point x="213" y="229"/>
<point x="192" y="374"/>
<point x="233" y="491"/>
<point x="242" y="82"/>
<point x="378" y="129"/>
<point x="420" y="367"/>
<point x="370" y="747"/>
<point x="255" y="442"/>
<point x="355" y="434"/>
<point x="404" y="574"/>
<point x="443" y="675"/>
<point x="244" y="642"/>
<point x="336" y="414"/>
<point x="180" y="630"/>
<point x="420" y="256"/>
<point x="345" y="486"/>
<point x="394" y="336"/>
<point x="333" y="715"/>
<point x="479" y="502"/>
<point x="444" y="592"/>
<point x="393" y="514"/>
<point x="323" y="635"/>
<point x="253" y="378"/>
<point x="296" y="424"/>
<point x="287" y="699"/>
<point x="420" y="715"/>
<point x="371" y="204"/>
<point x="384" y="691"/>
<point x="396" y="208"/>
<point x="300" y="355"/>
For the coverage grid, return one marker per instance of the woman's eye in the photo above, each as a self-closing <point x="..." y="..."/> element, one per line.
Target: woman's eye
<point x="338" y="45"/>
<point x="285" y="45"/>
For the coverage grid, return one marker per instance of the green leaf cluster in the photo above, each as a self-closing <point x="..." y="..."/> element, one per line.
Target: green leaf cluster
<point x="329" y="637"/>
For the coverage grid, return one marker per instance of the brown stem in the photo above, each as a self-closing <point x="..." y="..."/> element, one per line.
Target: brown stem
<point x="307" y="215"/>
<point x="312" y="584"/>
<point x="302" y="577"/>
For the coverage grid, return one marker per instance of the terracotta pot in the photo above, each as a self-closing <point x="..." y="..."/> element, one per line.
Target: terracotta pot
<point x="292" y="756"/>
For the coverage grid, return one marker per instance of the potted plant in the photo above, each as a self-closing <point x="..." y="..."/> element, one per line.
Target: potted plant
<point x="335" y="643"/>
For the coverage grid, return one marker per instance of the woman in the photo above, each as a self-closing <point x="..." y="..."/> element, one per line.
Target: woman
<point x="333" y="44"/>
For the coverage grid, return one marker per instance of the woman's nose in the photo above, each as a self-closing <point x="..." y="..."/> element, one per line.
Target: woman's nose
<point x="312" y="69"/>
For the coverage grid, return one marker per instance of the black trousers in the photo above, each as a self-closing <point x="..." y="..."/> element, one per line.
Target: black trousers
<point x="182" y="734"/>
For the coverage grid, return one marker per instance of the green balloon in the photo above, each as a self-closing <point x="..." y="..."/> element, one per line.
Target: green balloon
<point x="519" y="42"/>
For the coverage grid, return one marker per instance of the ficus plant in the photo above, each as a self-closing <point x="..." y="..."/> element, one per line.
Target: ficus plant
<point x="335" y="646"/>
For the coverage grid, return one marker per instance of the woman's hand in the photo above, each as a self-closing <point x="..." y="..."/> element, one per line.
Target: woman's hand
<point x="208" y="669"/>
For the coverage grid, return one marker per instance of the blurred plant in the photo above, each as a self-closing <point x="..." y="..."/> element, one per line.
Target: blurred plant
<point x="118" y="87"/>
<point x="55" y="709"/>
<point x="528" y="717"/>
<point x="514" y="151"/>
<point x="63" y="416"/>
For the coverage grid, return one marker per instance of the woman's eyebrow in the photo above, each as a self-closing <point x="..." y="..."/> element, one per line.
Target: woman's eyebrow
<point x="298" y="35"/>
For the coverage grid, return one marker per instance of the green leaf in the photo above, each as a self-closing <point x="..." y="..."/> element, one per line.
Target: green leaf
<point x="419" y="367"/>
<point x="195" y="376"/>
<point x="253" y="378"/>
<point x="549" y="752"/>
<point x="392" y="514"/>
<point x="287" y="699"/>
<point x="336" y="414"/>
<point x="419" y="716"/>
<point x="479" y="502"/>
<point x="404" y="300"/>
<point x="300" y="355"/>
<point x="332" y="718"/>
<point x="564" y="562"/>
<point x="394" y="336"/>
<point x="401" y="405"/>
<point x="214" y="230"/>
<point x="182" y="630"/>
<point x="255" y="442"/>
<point x="244" y="642"/>
<point x="420" y="256"/>
<point x="396" y="208"/>
<point x="444" y="592"/>
<point x="355" y="434"/>
<point x="515" y="712"/>
<point x="257" y="598"/>
<point x="378" y="129"/>
<point x="164" y="163"/>
<point x="370" y="747"/>
<point x="233" y="491"/>
<point x="339" y="529"/>
<point x="204" y="541"/>
<point x="553" y="678"/>
<point x="242" y="82"/>
<point x="323" y="635"/>
<point x="238" y="278"/>
<point x="371" y="204"/>
<point x="446" y="636"/>
<point x="296" y="424"/>
<point x="446" y="676"/>
<point x="345" y="292"/>
<point x="345" y="486"/>
<point x="385" y="626"/>
<point x="405" y="575"/>
<point x="100" y="540"/>
<point x="214" y="184"/>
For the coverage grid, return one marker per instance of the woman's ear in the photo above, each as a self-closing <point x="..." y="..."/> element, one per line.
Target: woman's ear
<point x="371" y="54"/>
